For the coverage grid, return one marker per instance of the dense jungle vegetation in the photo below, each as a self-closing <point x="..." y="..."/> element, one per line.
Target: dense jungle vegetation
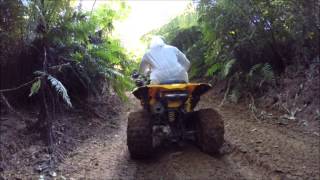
<point x="57" y="47"/>
<point x="53" y="50"/>
<point x="248" y="42"/>
<point x="55" y="55"/>
<point x="53" y="39"/>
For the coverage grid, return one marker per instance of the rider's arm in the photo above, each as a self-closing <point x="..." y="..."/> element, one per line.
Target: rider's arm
<point x="182" y="59"/>
<point x="144" y="65"/>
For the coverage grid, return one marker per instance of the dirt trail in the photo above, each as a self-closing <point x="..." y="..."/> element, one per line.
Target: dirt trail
<point x="253" y="150"/>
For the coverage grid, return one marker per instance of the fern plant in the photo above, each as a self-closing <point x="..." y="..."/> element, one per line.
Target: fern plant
<point x="259" y="74"/>
<point x="214" y="69"/>
<point x="55" y="83"/>
<point x="227" y="67"/>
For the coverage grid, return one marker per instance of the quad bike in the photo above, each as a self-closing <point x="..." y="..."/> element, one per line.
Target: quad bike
<point x="168" y="113"/>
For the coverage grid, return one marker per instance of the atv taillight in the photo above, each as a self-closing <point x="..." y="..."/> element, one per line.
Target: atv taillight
<point x="174" y="99"/>
<point x="176" y="96"/>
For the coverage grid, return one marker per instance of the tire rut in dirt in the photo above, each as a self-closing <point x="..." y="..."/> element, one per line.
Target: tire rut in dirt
<point x="139" y="135"/>
<point x="210" y="126"/>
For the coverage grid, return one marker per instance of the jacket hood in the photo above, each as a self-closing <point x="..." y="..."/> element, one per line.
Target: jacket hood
<point x="156" y="41"/>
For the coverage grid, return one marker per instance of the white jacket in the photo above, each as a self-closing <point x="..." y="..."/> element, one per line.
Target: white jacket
<point x="166" y="63"/>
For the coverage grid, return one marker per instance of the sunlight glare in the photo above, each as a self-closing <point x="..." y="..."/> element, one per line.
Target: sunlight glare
<point x="143" y="17"/>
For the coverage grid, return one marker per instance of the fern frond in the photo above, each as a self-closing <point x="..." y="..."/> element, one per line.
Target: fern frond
<point x="113" y="72"/>
<point x="227" y="67"/>
<point x="254" y="69"/>
<point x="260" y="73"/>
<point x="213" y="69"/>
<point x="61" y="90"/>
<point x="120" y="85"/>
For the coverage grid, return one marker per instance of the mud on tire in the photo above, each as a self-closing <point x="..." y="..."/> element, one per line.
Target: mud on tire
<point x="139" y="135"/>
<point x="210" y="130"/>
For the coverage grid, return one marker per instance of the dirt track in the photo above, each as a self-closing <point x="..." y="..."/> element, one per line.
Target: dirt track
<point x="253" y="150"/>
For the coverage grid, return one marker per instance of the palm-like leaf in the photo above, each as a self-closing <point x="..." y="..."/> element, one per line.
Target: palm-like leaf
<point x="254" y="69"/>
<point x="227" y="67"/>
<point x="61" y="90"/>
<point x="35" y="87"/>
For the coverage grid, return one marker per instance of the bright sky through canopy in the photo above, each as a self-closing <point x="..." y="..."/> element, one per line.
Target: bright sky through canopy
<point x="145" y="15"/>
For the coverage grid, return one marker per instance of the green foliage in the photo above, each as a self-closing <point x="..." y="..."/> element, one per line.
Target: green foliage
<point x="84" y="38"/>
<point x="79" y="47"/>
<point x="35" y="87"/>
<point x="11" y="15"/>
<point x="254" y="31"/>
<point x="259" y="74"/>
<point x="227" y="67"/>
<point x="213" y="69"/>
<point x="169" y="31"/>
<point x="251" y="41"/>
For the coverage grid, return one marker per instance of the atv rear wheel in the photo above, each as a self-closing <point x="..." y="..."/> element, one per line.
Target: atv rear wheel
<point x="139" y="135"/>
<point x="210" y="130"/>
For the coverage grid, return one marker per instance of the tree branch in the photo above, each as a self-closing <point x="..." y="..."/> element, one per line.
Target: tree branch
<point x="16" y="88"/>
<point x="59" y="66"/>
<point x="4" y="99"/>
<point x="93" y="5"/>
<point x="253" y="107"/>
<point x="227" y="92"/>
<point x="35" y="79"/>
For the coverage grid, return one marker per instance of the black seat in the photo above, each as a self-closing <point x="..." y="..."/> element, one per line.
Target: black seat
<point x="173" y="82"/>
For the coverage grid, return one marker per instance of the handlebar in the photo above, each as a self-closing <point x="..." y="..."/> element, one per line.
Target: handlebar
<point x="140" y="79"/>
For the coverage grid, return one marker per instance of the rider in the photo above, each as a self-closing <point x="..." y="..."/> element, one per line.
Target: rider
<point x="166" y="63"/>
